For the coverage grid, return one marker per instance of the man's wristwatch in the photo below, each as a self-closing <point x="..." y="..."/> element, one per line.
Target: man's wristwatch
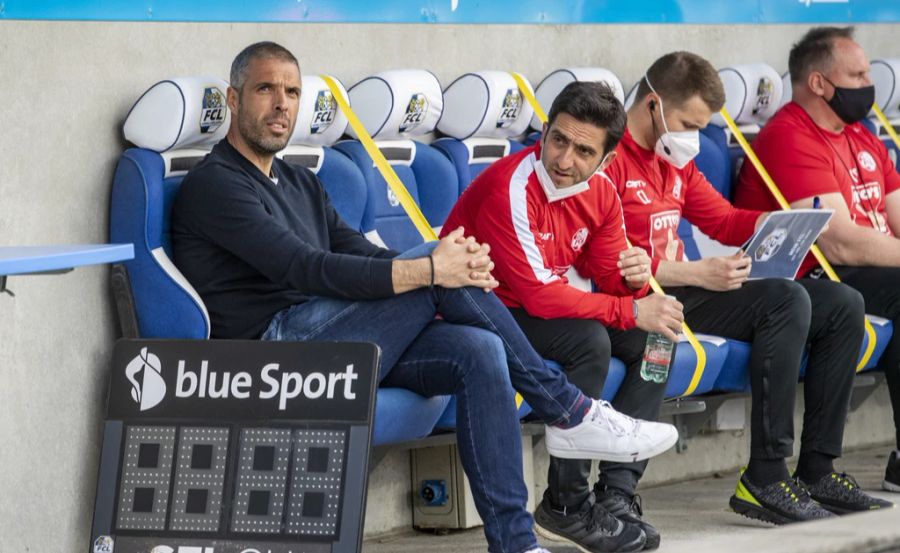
<point x="634" y="308"/>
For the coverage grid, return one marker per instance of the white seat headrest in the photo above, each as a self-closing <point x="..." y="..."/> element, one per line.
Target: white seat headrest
<point x="320" y="121"/>
<point x="885" y="75"/>
<point x="553" y="84"/>
<point x="398" y="104"/>
<point x="187" y="112"/>
<point x="752" y="93"/>
<point x="486" y="104"/>
<point x="787" y="89"/>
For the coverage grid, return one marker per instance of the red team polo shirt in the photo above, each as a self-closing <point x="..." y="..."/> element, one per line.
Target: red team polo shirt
<point x="655" y="195"/>
<point x="805" y="160"/>
<point x="534" y="241"/>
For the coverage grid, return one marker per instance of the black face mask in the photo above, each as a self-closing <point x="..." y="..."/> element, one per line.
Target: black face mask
<point x="852" y="104"/>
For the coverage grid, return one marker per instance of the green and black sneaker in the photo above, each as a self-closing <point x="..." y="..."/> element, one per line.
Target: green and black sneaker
<point x="783" y="502"/>
<point x="840" y="494"/>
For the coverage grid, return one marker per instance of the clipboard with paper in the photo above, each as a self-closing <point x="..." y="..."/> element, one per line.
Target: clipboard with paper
<point x="782" y="241"/>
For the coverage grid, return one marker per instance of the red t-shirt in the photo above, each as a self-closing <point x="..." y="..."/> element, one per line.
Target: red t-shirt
<point x="655" y="195"/>
<point x="534" y="242"/>
<point x="806" y="160"/>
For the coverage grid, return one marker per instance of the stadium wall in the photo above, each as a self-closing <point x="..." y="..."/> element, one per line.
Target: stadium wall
<point x="65" y="88"/>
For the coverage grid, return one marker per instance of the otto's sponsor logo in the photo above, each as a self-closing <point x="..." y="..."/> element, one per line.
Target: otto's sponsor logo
<point x="416" y="110"/>
<point x="764" y="90"/>
<point x="148" y="387"/>
<point x="770" y="245"/>
<point x="665" y="220"/>
<point x="868" y="192"/>
<point x="212" y="114"/>
<point x="866" y="161"/>
<point x="664" y="241"/>
<point x="579" y="238"/>
<point x="104" y="544"/>
<point x="509" y="112"/>
<point x="324" y="112"/>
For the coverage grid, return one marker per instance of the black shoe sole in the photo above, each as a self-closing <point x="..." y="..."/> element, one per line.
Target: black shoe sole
<point x="652" y="543"/>
<point x="637" y="545"/>
<point x="756" y="512"/>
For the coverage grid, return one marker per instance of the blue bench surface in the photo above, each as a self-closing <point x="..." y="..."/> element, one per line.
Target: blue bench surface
<point x="17" y="260"/>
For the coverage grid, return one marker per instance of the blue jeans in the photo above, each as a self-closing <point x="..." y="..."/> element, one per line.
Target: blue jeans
<point x="475" y="351"/>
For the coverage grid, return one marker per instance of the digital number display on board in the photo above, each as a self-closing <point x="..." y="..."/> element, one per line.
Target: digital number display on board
<point x="235" y="447"/>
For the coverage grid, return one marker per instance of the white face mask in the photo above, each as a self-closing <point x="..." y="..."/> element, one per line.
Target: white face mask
<point x="553" y="193"/>
<point x="678" y="148"/>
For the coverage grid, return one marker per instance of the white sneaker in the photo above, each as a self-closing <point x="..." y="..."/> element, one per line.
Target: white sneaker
<point x="609" y="435"/>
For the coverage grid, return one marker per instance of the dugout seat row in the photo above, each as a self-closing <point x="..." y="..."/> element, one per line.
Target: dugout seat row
<point x="176" y="122"/>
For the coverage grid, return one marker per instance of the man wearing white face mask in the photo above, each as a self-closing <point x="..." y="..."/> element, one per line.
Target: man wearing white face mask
<point x="543" y="211"/>
<point x="659" y="183"/>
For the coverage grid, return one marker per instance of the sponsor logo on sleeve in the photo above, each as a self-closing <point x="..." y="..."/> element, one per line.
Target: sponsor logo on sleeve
<point x="212" y="112"/>
<point x="579" y="238"/>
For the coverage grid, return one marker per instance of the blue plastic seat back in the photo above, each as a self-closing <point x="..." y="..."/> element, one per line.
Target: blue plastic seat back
<point x="342" y="180"/>
<point x="683" y="368"/>
<point x="142" y="194"/>
<point x="472" y="156"/>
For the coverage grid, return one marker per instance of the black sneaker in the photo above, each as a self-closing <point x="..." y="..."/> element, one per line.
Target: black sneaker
<point x="779" y="503"/>
<point x="628" y="509"/>
<point x="840" y="494"/>
<point x="891" y="480"/>
<point x="591" y="528"/>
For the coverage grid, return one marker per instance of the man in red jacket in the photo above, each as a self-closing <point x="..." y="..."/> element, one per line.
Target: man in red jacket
<point x="815" y="146"/>
<point x="659" y="184"/>
<point x="544" y="211"/>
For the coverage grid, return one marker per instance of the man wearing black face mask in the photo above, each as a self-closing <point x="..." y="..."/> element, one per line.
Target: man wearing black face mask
<point x="659" y="183"/>
<point x="816" y="147"/>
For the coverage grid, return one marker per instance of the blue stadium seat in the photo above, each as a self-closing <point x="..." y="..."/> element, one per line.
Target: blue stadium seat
<point x="396" y="106"/>
<point x="681" y="373"/>
<point x="162" y="125"/>
<point x="483" y="111"/>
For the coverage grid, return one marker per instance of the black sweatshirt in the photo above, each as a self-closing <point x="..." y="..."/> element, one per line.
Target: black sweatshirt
<point x="251" y="247"/>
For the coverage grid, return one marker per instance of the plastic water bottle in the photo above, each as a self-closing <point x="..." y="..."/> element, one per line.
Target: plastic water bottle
<point x="657" y="355"/>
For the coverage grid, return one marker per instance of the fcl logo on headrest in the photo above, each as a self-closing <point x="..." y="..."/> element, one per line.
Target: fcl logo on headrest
<point x="415" y="112"/>
<point x="509" y="112"/>
<point x="325" y="110"/>
<point x="764" y="90"/>
<point x="212" y="114"/>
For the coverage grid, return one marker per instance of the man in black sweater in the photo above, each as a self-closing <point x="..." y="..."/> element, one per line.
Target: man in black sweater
<point x="270" y="257"/>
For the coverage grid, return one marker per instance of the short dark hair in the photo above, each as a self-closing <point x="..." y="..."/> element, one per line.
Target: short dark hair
<point x="679" y="76"/>
<point x="258" y="50"/>
<point x="594" y="103"/>
<point x="815" y="51"/>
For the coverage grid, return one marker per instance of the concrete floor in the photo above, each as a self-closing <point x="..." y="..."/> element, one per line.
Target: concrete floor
<point x="694" y="516"/>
